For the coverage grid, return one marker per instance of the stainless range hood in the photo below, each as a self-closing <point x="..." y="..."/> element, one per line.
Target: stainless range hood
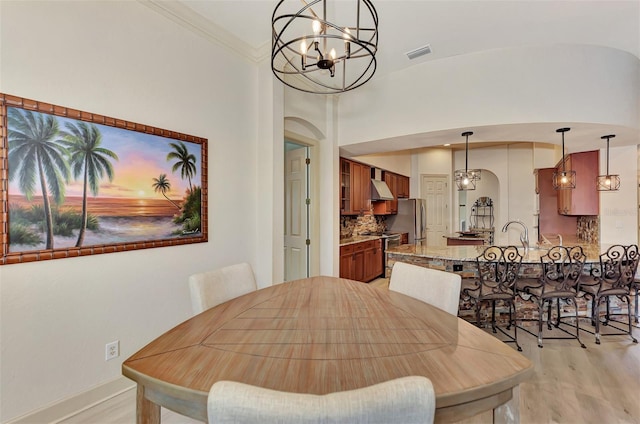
<point x="379" y="189"/>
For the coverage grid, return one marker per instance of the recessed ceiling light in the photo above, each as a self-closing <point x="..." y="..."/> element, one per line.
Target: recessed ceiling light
<point x="420" y="51"/>
<point x="447" y="144"/>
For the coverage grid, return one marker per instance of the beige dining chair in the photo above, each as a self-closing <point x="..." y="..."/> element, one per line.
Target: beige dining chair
<point x="404" y="400"/>
<point x="438" y="288"/>
<point x="211" y="288"/>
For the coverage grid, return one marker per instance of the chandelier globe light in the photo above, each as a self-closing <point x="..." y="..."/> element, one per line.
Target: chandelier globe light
<point x="608" y="182"/>
<point x="564" y="180"/>
<point x="324" y="48"/>
<point x="466" y="178"/>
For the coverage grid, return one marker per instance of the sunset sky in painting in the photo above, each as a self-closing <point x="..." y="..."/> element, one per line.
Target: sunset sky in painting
<point x="141" y="157"/>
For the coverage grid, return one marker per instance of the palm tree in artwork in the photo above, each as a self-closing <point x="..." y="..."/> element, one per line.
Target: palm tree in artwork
<point x="162" y="185"/>
<point x="35" y="153"/>
<point x="185" y="161"/>
<point x="89" y="159"/>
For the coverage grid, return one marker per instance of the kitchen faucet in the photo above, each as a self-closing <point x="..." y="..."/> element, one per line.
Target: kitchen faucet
<point x="524" y="236"/>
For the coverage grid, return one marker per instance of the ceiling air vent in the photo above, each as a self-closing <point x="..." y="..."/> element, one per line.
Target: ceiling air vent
<point x="420" y="51"/>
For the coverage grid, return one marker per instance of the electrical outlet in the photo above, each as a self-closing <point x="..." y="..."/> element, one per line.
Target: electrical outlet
<point x="457" y="267"/>
<point x="112" y="350"/>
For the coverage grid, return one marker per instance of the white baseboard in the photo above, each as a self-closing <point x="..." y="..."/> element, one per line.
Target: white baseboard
<point x="66" y="408"/>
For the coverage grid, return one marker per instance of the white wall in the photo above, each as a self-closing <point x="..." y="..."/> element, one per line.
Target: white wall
<point x="619" y="209"/>
<point x="312" y="117"/>
<point x="552" y="83"/>
<point x="512" y="166"/>
<point x="122" y="60"/>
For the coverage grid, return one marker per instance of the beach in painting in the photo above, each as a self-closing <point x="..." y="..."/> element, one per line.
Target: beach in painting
<point x="121" y="220"/>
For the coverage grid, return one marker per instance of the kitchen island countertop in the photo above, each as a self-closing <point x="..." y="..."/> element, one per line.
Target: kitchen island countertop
<point x="469" y="253"/>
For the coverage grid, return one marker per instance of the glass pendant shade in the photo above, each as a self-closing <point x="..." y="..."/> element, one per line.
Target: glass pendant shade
<point x="311" y="52"/>
<point x="608" y="182"/>
<point x="466" y="178"/>
<point x="564" y="179"/>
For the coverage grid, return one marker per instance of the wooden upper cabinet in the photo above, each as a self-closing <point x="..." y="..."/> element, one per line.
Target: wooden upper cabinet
<point x="355" y="187"/>
<point x="584" y="199"/>
<point x="402" y="183"/>
<point x="399" y="187"/>
<point x="345" y="187"/>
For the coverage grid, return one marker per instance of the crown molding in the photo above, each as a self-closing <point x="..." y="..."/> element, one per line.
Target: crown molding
<point x="187" y="18"/>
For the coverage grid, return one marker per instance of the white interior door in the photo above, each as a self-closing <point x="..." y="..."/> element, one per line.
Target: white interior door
<point x="435" y="189"/>
<point x="296" y="215"/>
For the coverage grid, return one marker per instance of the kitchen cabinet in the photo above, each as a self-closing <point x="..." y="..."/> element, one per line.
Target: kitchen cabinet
<point x="402" y="185"/>
<point x="361" y="261"/>
<point x="550" y="222"/>
<point x="584" y="199"/>
<point x="355" y="187"/>
<point x="373" y="261"/>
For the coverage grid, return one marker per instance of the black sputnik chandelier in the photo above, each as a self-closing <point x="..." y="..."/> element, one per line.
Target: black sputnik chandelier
<point x="324" y="48"/>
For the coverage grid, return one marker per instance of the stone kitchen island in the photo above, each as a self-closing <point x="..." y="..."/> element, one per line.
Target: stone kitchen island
<point x="462" y="260"/>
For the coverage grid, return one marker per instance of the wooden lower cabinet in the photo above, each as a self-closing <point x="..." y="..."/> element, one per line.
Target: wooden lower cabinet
<point x="361" y="261"/>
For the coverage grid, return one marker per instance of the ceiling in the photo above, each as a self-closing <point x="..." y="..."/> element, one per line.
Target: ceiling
<point x="451" y="28"/>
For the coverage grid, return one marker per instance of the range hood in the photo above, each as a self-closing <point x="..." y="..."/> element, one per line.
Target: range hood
<point x="379" y="189"/>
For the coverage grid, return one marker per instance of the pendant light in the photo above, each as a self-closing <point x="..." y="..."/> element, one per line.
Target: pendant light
<point x="564" y="179"/>
<point x="466" y="179"/>
<point x="608" y="182"/>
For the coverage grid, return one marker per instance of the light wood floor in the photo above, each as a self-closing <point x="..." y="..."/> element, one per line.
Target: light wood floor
<point x="599" y="384"/>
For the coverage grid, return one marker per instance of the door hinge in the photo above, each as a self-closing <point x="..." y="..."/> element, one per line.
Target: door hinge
<point x="307" y="242"/>
<point x="307" y="202"/>
<point x="307" y="161"/>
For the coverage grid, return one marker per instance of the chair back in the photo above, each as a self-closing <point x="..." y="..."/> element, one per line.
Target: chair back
<point x="403" y="400"/>
<point x="438" y="288"/>
<point x="498" y="268"/>
<point x="561" y="270"/>
<point x="211" y="288"/>
<point x="618" y="266"/>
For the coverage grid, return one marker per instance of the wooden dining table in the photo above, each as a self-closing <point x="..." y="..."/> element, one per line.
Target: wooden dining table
<point x="321" y="335"/>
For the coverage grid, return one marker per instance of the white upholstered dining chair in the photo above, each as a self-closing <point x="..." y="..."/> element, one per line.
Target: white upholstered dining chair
<point x="211" y="288"/>
<point x="438" y="288"/>
<point x="403" y="400"/>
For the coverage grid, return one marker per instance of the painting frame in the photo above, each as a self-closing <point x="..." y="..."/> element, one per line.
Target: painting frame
<point x="197" y="146"/>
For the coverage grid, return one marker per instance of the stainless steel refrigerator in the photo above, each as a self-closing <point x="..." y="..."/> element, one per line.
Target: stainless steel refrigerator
<point x="411" y="218"/>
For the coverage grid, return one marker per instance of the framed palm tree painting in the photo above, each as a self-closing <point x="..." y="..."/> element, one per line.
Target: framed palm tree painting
<point x="74" y="183"/>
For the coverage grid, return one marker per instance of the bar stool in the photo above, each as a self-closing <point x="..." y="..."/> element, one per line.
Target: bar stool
<point x="498" y="269"/>
<point x="636" y="286"/>
<point x="613" y="278"/>
<point x="561" y="271"/>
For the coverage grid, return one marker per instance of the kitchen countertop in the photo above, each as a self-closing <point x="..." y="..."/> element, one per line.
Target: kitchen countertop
<point x="357" y="239"/>
<point x="469" y="253"/>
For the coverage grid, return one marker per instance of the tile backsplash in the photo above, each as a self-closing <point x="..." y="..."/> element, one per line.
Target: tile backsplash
<point x="589" y="229"/>
<point x="356" y="225"/>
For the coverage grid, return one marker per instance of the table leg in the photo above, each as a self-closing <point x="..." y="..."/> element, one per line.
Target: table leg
<point x="147" y="412"/>
<point x="509" y="413"/>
